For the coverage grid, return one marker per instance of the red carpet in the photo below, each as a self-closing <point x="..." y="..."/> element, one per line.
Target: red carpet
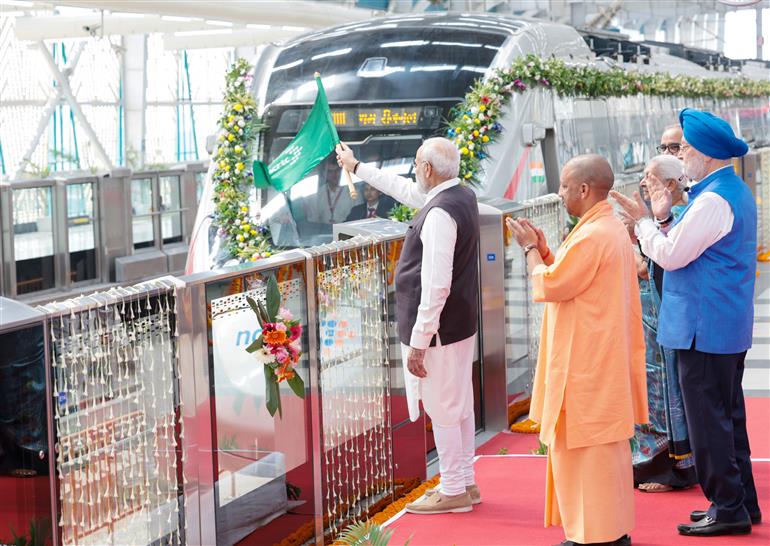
<point x="511" y="513"/>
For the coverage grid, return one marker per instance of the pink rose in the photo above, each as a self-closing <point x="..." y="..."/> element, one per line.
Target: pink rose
<point x="295" y="331"/>
<point x="280" y="326"/>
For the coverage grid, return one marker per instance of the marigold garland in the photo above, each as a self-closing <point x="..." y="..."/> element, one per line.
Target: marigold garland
<point x="403" y="488"/>
<point x="245" y="239"/>
<point x="474" y="122"/>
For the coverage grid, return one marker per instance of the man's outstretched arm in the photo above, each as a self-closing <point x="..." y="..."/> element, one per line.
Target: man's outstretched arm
<point x="400" y="188"/>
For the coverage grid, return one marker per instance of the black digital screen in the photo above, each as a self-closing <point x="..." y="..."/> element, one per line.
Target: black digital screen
<point x="362" y="118"/>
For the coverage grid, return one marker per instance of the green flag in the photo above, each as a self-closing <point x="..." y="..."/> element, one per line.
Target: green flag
<point x="313" y="143"/>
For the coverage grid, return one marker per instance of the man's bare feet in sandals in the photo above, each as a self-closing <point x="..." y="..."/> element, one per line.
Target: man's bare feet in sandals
<point x="654" y="487"/>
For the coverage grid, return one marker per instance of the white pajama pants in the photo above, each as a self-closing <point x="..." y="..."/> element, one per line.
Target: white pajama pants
<point x="447" y="396"/>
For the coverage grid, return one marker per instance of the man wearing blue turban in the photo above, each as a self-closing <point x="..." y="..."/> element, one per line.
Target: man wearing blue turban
<point x="707" y="313"/>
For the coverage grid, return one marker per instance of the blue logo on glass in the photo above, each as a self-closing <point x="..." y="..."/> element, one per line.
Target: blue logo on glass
<point x="491" y="257"/>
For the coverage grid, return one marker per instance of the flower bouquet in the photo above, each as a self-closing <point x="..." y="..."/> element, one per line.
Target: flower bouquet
<point x="278" y="346"/>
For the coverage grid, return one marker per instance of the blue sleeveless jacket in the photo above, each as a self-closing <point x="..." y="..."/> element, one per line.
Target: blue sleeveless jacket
<point x="711" y="300"/>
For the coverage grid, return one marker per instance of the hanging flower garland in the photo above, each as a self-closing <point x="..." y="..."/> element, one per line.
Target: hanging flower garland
<point x="474" y="122"/>
<point x="245" y="239"/>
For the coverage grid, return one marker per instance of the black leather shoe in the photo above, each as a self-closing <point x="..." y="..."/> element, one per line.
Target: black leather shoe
<point x="708" y="527"/>
<point x="625" y="540"/>
<point x="697" y="515"/>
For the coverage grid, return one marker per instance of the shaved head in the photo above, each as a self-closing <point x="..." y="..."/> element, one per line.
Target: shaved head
<point x="593" y="170"/>
<point x="585" y="180"/>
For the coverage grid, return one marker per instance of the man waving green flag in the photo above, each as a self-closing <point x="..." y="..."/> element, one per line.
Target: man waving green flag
<point x="313" y="143"/>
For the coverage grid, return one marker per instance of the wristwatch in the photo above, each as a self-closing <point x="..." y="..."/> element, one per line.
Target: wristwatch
<point x="664" y="223"/>
<point x="529" y="247"/>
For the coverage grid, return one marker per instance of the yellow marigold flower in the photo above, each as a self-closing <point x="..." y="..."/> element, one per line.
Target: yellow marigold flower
<point x="464" y="150"/>
<point x="230" y="118"/>
<point x="238" y="107"/>
<point x="482" y="108"/>
<point x="465" y="117"/>
<point x="468" y="174"/>
<point x="222" y="164"/>
<point x="239" y="166"/>
<point x="230" y="137"/>
<point x="253" y="232"/>
<point x="245" y="209"/>
<point x="267" y="254"/>
<point x="485" y="138"/>
<point x="477" y="121"/>
<point x="475" y="132"/>
<point x="470" y="154"/>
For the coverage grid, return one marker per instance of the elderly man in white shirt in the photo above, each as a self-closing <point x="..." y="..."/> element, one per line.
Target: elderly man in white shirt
<point x="437" y="310"/>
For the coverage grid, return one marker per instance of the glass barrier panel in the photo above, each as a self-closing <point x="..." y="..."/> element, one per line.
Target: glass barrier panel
<point x="170" y="193"/>
<point x="25" y="494"/>
<point x="81" y="228"/>
<point x="33" y="244"/>
<point x="170" y="200"/>
<point x="141" y="211"/>
<point x="171" y="227"/>
<point x="264" y="472"/>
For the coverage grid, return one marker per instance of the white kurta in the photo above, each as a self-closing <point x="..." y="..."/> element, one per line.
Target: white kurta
<point x="447" y="391"/>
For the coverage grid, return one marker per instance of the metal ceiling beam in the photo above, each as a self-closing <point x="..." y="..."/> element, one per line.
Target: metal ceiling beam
<point x="54" y="99"/>
<point x="63" y="82"/>
<point x="268" y="12"/>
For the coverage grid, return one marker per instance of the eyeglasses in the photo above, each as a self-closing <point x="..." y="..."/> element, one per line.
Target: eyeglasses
<point x="673" y="148"/>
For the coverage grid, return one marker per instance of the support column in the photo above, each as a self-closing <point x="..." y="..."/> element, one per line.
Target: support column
<point x="721" y="32"/>
<point x="134" y="98"/>
<point x="670" y="29"/>
<point x="760" y="36"/>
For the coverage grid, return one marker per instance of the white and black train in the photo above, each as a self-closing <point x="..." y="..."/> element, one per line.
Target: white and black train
<point x="391" y="83"/>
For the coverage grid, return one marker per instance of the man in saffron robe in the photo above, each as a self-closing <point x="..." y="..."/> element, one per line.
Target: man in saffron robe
<point x="590" y="385"/>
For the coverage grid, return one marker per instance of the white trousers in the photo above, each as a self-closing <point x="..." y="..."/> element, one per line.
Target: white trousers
<point x="447" y="396"/>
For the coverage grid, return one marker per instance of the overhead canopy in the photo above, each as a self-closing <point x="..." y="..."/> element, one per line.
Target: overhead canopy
<point x="228" y="23"/>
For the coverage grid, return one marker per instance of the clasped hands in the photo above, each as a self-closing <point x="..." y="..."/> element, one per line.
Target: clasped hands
<point x="526" y="233"/>
<point x="633" y="210"/>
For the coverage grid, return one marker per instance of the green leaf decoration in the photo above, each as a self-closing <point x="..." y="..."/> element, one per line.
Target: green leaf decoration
<point x="366" y="534"/>
<point x="273" y="398"/>
<point x="297" y="385"/>
<point x="255" y="308"/>
<point x="402" y="213"/>
<point x="263" y="312"/>
<point x="255" y="345"/>
<point x="474" y="123"/>
<point x="273" y="298"/>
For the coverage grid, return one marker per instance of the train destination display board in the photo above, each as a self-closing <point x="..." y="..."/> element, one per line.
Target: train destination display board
<point x="379" y="117"/>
